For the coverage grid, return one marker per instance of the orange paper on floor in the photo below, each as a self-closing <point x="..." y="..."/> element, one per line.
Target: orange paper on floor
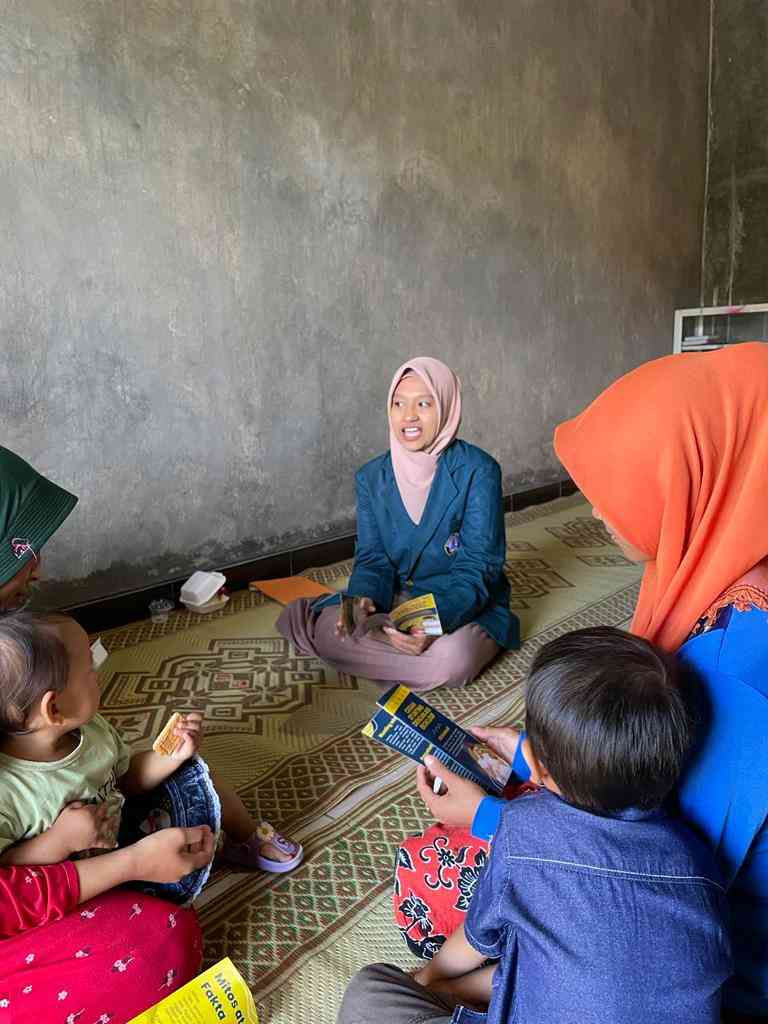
<point x="290" y="588"/>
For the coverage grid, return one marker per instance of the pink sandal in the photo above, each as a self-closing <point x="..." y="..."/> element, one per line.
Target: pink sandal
<point x="248" y="854"/>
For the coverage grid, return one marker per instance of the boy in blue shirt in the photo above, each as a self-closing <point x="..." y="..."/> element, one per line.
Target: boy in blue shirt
<point x="596" y="907"/>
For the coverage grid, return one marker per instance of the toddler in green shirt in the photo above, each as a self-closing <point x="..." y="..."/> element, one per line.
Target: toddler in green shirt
<point x="65" y="771"/>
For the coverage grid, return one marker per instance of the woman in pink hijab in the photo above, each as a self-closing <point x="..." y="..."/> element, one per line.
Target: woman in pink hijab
<point x="429" y="521"/>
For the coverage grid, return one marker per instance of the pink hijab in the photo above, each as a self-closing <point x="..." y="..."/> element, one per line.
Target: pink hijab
<point x="415" y="471"/>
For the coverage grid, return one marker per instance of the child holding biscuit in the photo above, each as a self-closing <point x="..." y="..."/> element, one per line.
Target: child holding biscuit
<point x="65" y="773"/>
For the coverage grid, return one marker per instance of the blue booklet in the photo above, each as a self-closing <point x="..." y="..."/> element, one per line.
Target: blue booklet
<point x="408" y="724"/>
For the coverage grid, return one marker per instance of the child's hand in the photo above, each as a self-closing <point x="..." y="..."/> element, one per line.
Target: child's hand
<point x="430" y="977"/>
<point x="458" y="804"/>
<point x="171" y="853"/>
<point x="85" y="827"/>
<point x="423" y="975"/>
<point x="503" y="740"/>
<point x="472" y="989"/>
<point x="453" y="972"/>
<point x="189" y="730"/>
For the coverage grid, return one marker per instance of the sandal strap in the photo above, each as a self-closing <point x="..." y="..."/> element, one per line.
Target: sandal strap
<point x="266" y="833"/>
<point x="285" y="845"/>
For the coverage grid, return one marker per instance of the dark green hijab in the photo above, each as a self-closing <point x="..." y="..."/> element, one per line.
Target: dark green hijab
<point x="32" y="508"/>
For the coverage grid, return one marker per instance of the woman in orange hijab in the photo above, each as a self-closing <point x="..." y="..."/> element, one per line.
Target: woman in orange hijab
<point x="674" y="459"/>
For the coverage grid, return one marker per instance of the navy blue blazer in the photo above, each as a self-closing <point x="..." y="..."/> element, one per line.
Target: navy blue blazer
<point x="456" y="552"/>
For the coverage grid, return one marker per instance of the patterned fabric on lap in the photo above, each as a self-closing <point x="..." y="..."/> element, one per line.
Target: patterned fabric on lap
<point x="435" y="878"/>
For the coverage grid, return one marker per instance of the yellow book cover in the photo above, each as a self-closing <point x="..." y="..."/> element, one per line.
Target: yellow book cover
<point x="219" y="994"/>
<point x="418" y="613"/>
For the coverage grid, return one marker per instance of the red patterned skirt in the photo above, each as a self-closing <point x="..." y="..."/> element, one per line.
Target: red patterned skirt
<point x="435" y="878"/>
<point x="103" y="963"/>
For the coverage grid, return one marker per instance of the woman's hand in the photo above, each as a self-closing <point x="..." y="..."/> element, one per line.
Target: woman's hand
<point x="415" y="642"/>
<point x="458" y="804"/>
<point x="171" y="853"/>
<point x="362" y="608"/>
<point x="503" y="740"/>
<point x="189" y="731"/>
<point x="164" y="856"/>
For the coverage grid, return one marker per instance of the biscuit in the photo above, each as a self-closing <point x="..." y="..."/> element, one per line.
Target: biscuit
<point x="166" y="743"/>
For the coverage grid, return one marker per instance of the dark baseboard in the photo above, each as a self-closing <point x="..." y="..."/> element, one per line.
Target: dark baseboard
<point x="519" y="500"/>
<point x="130" y="606"/>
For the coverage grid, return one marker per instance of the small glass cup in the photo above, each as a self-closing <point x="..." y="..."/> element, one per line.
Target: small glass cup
<point x="160" y="609"/>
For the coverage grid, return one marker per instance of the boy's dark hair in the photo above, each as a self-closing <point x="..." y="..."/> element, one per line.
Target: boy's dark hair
<point x="32" y="661"/>
<point x="607" y="717"/>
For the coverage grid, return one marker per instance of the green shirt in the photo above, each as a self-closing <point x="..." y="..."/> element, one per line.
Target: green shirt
<point x="34" y="793"/>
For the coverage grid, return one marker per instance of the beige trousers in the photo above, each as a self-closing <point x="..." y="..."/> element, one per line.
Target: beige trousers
<point x="452" y="660"/>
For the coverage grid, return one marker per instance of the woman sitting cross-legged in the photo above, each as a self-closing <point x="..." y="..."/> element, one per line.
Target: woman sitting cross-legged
<point x="429" y="520"/>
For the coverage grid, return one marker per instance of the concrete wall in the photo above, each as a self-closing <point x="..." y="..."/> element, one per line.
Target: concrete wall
<point x="227" y="222"/>
<point x="735" y="257"/>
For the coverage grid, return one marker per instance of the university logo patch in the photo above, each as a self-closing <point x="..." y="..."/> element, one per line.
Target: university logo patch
<point x="451" y="546"/>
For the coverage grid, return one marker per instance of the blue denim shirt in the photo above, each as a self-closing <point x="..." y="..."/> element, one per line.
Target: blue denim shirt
<point x="723" y="792"/>
<point x="599" y="920"/>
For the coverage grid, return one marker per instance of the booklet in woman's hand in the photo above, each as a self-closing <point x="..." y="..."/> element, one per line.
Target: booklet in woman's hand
<point x="420" y="613"/>
<point x="408" y="724"/>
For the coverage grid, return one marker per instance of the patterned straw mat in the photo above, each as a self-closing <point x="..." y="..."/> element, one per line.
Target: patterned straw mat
<point x="285" y="731"/>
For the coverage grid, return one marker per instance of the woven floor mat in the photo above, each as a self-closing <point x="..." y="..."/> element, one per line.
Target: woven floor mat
<point x="284" y="730"/>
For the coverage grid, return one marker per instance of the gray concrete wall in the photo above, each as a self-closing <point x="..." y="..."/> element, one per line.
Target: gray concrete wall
<point x="735" y="257"/>
<point x="226" y="222"/>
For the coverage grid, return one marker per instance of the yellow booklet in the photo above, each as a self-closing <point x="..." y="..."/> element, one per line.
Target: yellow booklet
<point x="217" y="995"/>
<point x="418" y="613"/>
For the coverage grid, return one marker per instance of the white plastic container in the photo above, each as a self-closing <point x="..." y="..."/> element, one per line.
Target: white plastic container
<point x="201" y="587"/>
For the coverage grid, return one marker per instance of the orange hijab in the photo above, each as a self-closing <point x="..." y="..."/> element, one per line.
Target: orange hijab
<point x="675" y="456"/>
